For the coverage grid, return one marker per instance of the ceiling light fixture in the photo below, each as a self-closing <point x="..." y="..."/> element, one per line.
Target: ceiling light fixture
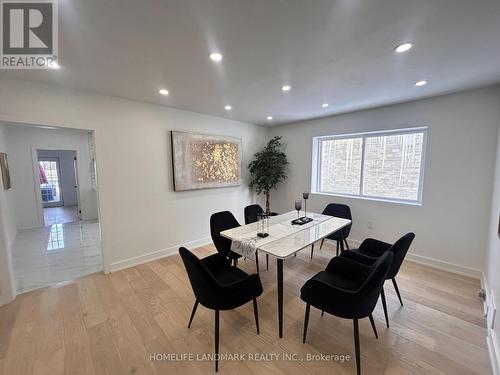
<point x="163" y="92"/>
<point x="228" y="107"/>
<point x="285" y="88"/>
<point x="325" y="105"/>
<point x="269" y="118"/>
<point x="421" y="83"/>
<point x="403" y="47"/>
<point x="216" y="57"/>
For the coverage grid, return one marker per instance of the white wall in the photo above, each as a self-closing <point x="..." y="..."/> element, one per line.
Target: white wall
<point x="451" y="226"/>
<point x="140" y="212"/>
<point x="492" y="274"/>
<point x="23" y="141"/>
<point x="67" y="174"/>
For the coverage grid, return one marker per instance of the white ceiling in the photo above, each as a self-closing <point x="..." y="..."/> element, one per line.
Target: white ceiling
<point x="334" y="51"/>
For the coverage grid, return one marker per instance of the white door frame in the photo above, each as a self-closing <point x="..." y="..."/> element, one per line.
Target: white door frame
<point x="8" y="292"/>
<point x="77" y="186"/>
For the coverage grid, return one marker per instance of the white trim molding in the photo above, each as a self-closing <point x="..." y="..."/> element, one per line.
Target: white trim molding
<point x="158" y="254"/>
<point x="494" y="351"/>
<point x="317" y="145"/>
<point x="491" y="337"/>
<point x="434" y="263"/>
<point x="445" y="266"/>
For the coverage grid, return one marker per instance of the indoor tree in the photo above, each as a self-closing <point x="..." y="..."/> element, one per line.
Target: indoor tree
<point x="268" y="168"/>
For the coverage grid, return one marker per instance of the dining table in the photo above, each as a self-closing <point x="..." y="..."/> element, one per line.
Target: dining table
<point x="283" y="241"/>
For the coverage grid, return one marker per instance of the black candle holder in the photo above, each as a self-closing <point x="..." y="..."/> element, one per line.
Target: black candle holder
<point x="306" y="197"/>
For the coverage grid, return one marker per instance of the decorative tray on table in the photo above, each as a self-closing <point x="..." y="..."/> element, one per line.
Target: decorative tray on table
<point x="302" y="220"/>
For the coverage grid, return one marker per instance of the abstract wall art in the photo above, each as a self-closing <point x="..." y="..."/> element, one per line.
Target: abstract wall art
<point x="202" y="161"/>
<point x="4" y="169"/>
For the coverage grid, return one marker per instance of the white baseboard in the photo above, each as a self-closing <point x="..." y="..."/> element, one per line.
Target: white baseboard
<point x="434" y="263"/>
<point x="445" y="266"/>
<point x="491" y="338"/>
<point x="8" y="295"/>
<point x="5" y="300"/>
<point x="134" y="261"/>
<point x="494" y="351"/>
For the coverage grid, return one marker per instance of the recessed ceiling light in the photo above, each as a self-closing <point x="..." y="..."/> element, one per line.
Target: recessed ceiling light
<point x="285" y="88"/>
<point x="403" y="47"/>
<point x="216" y="56"/>
<point x="228" y="107"/>
<point x="421" y="83"/>
<point x="269" y="117"/>
<point x="163" y="91"/>
<point x="325" y="105"/>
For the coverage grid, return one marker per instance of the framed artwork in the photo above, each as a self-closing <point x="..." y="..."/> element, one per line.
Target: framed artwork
<point x="201" y="161"/>
<point x="4" y="168"/>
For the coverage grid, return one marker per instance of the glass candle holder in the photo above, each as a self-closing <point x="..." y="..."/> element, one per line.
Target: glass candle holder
<point x="263" y="225"/>
<point x="298" y="207"/>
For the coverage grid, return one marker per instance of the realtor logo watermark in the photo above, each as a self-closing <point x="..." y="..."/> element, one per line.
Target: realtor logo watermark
<point x="29" y="33"/>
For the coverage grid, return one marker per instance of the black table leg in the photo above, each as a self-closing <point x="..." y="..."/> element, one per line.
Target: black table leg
<point x="341" y="240"/>
<point x="280" y="296"/>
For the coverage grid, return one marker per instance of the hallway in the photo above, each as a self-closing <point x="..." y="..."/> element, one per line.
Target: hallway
<point x="55" y="253"/>
<point x="60" y="215"/>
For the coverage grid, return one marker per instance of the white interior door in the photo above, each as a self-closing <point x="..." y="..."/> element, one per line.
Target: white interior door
<point x="50" y="182"/>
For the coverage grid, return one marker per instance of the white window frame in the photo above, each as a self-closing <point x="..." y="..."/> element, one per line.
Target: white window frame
<point x="316" y="162"/>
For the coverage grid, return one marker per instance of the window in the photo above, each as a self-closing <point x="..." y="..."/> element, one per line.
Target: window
<point x="384" y="165"/>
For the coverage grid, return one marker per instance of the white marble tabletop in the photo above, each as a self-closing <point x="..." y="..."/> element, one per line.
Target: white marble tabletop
<point x="286" y="239"/>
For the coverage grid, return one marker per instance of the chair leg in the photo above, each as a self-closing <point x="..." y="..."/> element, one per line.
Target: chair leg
<point x="257" y="262"/>
<point x="384" y="305"/>
<point x="267" y="262"/>
<point x="338" y="245"/>
<point x="373" y="325"/>
<point x="321" y="245"/>
<point x="312" y="250"/>
<point x="306" y="322"/>
<point x="216" y="340"/>
<point x="322" y="312"/>
<point x="356" y="346"/>
<point x="193" y="312"/>
<point x="256" y="313"/>
<point x="346" y="244"/>
<point x="397" y="290"/>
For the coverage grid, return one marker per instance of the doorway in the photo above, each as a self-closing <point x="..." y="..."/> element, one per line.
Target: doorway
<point x="58" y="237"/>
<point x="58" y="176"/>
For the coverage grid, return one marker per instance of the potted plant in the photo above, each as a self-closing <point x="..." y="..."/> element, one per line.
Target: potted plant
<point x="268" y="169"/>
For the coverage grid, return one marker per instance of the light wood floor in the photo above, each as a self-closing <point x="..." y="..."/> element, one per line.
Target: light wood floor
<point x="110" y="324"/>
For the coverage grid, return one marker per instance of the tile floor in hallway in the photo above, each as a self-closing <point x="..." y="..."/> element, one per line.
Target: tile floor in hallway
<point x="55" y="253"/>
<point x="60" y="215"/>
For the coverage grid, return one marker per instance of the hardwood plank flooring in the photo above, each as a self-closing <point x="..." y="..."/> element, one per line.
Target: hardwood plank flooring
<point x="113" y="324"/>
